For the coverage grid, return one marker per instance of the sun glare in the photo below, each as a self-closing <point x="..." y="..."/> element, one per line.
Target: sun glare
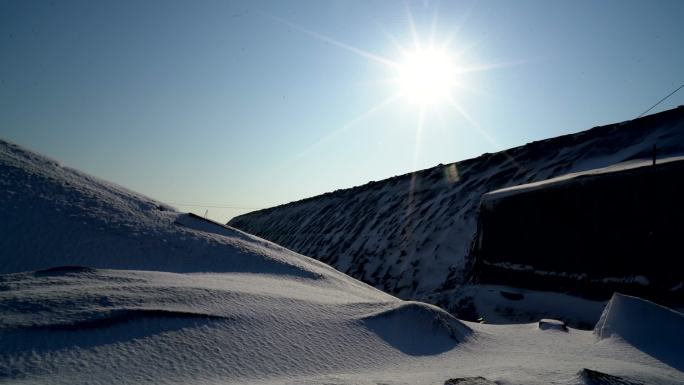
<point x="427" y="76"/>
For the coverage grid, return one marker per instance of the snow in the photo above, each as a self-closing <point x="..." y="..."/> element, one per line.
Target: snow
<point x="652" y="328"/>
<point x="417" y="328"/>
<point x="101" y="326"/>
<point x="85" y="221"/>
<point x="622" y="166"/>
<point x="100" y="285"/>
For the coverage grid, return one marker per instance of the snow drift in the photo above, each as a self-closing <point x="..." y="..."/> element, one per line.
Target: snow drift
<point x="651" y="328"/>
<point x="83" y="221"/>
<point x="418" y="329"/>
<point x="157" y="327"/>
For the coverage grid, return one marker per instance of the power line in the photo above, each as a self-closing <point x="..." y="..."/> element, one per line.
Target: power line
<point x="211" y="206"/>
<point x="661" y="100"/>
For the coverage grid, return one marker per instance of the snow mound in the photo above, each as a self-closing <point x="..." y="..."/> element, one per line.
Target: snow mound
<point x="57" y="216"/>
<point x="417" y="328"/>
<point x="651" y="328"/>
<point x="168" y="328"/>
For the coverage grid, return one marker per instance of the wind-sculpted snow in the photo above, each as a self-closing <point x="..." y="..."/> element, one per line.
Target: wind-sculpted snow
<point x="90" y="326"/>
<point x="652" y="328"/>
<point x="417" y="328"/>
<point x="156" y="327"/>
<point x="56" y="216"/>
<point x="409" y="235"/>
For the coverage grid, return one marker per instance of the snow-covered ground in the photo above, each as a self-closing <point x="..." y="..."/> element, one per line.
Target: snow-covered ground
<point x="100" y="285"/>
<point x="499" y="304"/>
<point x="77" y="326"/>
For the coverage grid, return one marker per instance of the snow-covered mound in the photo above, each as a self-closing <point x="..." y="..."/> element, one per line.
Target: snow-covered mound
<point x="409" y="235"/>
<point x="652" y="328"/>
<point x="231" y="308"/>
<point x="418" y="329"/>
<point x="56" y="216"/>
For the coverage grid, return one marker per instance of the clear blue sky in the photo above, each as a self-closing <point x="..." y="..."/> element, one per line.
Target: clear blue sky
<point x="256" y="103"/>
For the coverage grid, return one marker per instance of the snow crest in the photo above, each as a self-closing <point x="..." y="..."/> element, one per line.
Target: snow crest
<point x="651" y="328"/>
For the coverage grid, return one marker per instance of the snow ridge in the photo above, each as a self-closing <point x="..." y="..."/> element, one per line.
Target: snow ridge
<point x="84" y="221"/>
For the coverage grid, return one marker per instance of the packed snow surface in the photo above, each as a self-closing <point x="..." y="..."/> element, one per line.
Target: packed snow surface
<point x="100" y="285"/>
<point x="100" y="326"/>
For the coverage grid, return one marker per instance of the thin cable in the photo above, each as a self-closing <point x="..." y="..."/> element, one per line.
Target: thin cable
<point x="661" y="100"/>
<point x="214" y="206"/>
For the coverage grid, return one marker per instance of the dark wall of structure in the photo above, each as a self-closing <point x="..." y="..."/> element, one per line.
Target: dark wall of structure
<point x="590" y="235"/>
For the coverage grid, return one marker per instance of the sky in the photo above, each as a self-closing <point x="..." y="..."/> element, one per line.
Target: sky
<point x="251" y="104"/>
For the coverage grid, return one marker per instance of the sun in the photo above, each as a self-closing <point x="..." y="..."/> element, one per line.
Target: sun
<point x="427" y="76"/>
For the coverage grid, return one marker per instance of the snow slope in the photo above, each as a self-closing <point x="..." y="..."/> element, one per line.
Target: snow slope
<point x="82" y="220"/>
<point x="408" y="235"/>
<point x="161" y="297"/>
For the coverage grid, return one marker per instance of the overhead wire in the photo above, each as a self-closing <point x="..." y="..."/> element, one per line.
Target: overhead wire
<point x="213" y="206"/>
<point x="660" y="101"/>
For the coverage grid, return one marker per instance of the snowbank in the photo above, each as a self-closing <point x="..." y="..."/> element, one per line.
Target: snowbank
<point x="417" y="328"/>
<point x="83" y="221"/>
<point x="650" y="327"/>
